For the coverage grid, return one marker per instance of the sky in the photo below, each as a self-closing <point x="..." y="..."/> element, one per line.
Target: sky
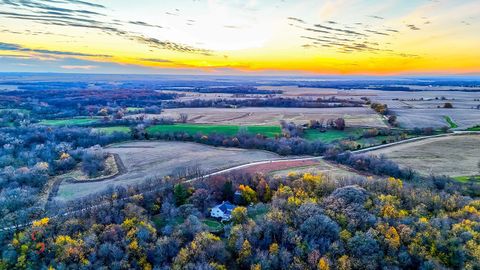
<point x="244" y="37"/>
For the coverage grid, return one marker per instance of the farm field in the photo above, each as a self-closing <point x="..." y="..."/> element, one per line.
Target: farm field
<point x="410" y="118"/>
<point x="320" y="167"/>
<point x="266" y="168"/>
<point x="315" y="166"/>
<point x="354" y="116"/>
<point x="452" y="155"/>
<point x="332" y="134"/>
<point x="192" y="129"/>
<point x="67" y="122"/>
<point x="450" y="122"/>
<point x="466" y="179"/>
<point x="148" y="159"/>
<point x="413" y="108"/>
<point x="475" y="128"/>
<point x="110" y="130"/>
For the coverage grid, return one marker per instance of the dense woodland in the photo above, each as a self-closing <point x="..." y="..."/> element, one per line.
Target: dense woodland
<point x="295" y="222"/>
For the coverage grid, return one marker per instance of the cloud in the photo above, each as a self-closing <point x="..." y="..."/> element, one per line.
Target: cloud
<point x="144" y="24"/>
<point x="377" y="17"/>
<point x="413" y="27"/>
<point x="40" y="12"/>
<point x="296" y="19"/>
<point x="156" y="60"/>
<point x="348" y="38"/>
<point x="19" y="48"/>
<point x="162" y="44"/>
<point x="345" y="31"/>
<point x="78" y="67"/>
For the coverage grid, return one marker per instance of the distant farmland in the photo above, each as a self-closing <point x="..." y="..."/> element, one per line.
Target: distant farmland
<point x="268" y="116"/>
<point x="192" y="129"/>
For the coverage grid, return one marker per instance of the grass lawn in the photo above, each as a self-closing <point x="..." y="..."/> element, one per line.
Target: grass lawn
<point x="192" y="129"/>
<point x="467" y="179"/>
<point x="332" y="134"/>
<point x="68" y="122"/>
<point x="257" y="211"/>
<point x="134" y="109"/>
<point x="450" y="122"/>
<point x="110" y="130"/>
<point x="475" y="128"/>
<point x="213" y="225"/>
<point x="160" y="222"/>
<point x="24" y="111"/>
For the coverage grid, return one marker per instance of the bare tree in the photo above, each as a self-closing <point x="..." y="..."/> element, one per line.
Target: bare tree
<point x="183" y="117"/>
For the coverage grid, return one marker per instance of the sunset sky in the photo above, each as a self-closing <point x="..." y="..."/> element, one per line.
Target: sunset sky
<point x="295" y="37"/>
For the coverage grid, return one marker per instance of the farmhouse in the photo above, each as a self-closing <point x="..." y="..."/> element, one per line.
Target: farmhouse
<point x="223" y="211"/>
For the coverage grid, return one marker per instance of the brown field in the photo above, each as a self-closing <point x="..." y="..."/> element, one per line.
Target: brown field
<point x="321" y="166"/>
<point x="414" y="109"/>
<point x="453" y="155"/>
<point x="143" y="160"/>
<point x="280" y="165"/>
<point x="354" y="116"/>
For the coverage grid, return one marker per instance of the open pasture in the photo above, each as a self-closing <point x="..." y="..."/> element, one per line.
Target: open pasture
<point x="68" y="122"/>
<point x="149" y="159"/>
<point x="354" y="116"/>
<point x="192" y="129"/>
<point x="456" y="155"/>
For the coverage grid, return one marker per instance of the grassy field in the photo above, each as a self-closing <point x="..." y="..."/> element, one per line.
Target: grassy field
<point x="156" y="159"/>
<point x="332" y="134"/>
<point x="453" y="155"/>
<point x="134" y="109"/>
<point x="24" y="111"/>
<point x="110" y="130"/>
<point x="192" y="129"/>
<point x="68" y="122"/>
<point x="475" y="128"/>
<point x="467" y="179"/>
<point x="450" y="122"/>
<point x="213" y="225"/>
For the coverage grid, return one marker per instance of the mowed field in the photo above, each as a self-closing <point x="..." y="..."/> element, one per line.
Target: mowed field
<point x="148" y="159"/>
<point x="192" y="129"/>
<point x="69" y="122"/>
<point x="354" y="116"/>
<point x="452" y="155"/>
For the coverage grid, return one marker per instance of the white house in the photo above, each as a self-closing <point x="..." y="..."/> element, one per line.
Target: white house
<point x="223" y="211"/>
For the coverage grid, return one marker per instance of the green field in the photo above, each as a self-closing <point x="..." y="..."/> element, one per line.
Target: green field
<point x="450" y="122"/>
<point x="68" y="122"/>
<point x="110" y="130"/>
<point x="467" y="179"/>
<point x="192" y="129"/>
<point x="475" y="128"/>
<point x="134" y="109"/>
<point x="213" y="225"/>
<point x="332" y="134"/>
<point x="24" y="111"/>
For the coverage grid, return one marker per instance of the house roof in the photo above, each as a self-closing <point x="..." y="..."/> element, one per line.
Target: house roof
<point x="226" y="207"/>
